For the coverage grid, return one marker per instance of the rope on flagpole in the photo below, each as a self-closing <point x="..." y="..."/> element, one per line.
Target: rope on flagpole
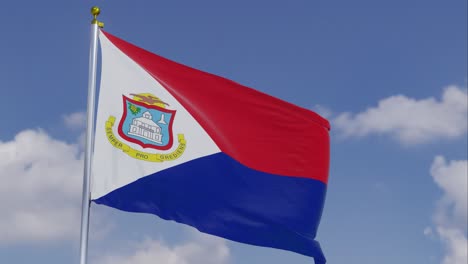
<point x="86" y="202"/>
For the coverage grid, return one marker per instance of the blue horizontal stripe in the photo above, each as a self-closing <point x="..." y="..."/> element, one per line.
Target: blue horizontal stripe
<point x="219" y="196"/>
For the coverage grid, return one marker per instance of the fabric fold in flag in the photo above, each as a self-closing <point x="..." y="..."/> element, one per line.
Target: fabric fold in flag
<point x="201" y="150"/>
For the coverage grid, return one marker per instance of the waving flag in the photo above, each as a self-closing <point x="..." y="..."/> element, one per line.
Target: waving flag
<point x="202" y="150"/>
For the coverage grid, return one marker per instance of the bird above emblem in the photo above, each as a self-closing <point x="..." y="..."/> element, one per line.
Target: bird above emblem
<point x="149" y="99"/>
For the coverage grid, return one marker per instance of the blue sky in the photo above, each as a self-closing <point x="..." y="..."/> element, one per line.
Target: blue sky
<point x="391" y="76"/>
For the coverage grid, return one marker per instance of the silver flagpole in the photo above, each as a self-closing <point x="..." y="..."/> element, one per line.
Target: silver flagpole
<point x="95" y="24"/>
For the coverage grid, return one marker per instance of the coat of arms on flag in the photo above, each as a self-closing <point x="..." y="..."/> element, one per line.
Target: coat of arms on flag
<point x="146" y="122"/>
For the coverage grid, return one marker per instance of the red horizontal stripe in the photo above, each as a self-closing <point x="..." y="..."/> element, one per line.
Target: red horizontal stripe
<point x="258" y="130"/>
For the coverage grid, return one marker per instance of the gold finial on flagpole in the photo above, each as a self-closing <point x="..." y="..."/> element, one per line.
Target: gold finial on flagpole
<point x="95" y="11"/>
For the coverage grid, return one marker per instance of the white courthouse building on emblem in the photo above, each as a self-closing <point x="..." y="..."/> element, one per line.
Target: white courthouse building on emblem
<point x="146" y="128"/>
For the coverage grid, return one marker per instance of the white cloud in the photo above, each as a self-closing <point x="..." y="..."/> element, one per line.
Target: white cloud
<point x="450" y="216"/>
<point x="456" y="245"/>
<point x="410" y="120"/>
<point x="202" y="250"/>
<point x="75" y="120"/>
<point x="452" y="178"/>
<point x="40" y="188"/>
<point x="324" y="111"/>
<point x="428" y="232"/>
